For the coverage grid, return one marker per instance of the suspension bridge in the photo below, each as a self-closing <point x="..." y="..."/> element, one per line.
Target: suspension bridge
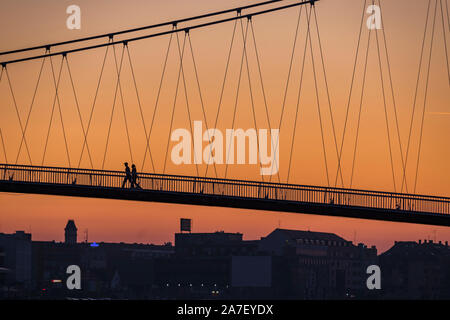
<point x="330" y="200"/>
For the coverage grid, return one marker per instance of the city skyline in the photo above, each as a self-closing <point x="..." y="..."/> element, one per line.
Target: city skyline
<point x="149" y="222"/>
<point x="284" y="264"/>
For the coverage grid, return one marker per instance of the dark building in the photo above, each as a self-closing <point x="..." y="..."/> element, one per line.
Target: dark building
<point x="213" y="244"/>
<point x="15" y="262"/>
<point x="3" y="271"/>
<point x="113" y="270"/>
<point x="416" y="270"/>
<point x="320" y="265"/>
<point x="211" y="265"/>
<point x="70" y="232"/>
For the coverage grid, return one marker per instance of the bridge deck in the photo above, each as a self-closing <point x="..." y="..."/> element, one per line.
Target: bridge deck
<point x="342" y="202"/>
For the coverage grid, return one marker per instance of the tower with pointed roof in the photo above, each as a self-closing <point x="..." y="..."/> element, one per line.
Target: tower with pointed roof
<point x="70" y="232"/>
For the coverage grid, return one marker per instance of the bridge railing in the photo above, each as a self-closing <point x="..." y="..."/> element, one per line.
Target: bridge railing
<point x="229" y="188"/>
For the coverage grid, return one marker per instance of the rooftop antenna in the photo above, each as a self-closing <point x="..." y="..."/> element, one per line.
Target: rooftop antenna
<point x="86" y="235"/>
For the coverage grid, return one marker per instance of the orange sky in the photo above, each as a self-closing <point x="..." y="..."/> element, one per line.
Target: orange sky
<point x="26" y="23"/>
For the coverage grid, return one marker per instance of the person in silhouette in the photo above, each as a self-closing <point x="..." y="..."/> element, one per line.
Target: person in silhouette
<point x="134" y="177"/>
<point x="127" y="176"/>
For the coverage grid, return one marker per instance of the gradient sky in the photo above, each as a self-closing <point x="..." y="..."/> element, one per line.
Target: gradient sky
<point x="26" y="23"/>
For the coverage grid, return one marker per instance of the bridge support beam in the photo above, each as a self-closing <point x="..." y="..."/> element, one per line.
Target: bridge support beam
<point x="227" y="201"/>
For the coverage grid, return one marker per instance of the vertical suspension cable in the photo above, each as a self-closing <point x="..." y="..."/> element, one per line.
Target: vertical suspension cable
<point x="251" y="91"/>
<point x="140" y="108"/>
<point x="328" y="95"/>
<point x="59" y="105"/>
<point x="31" y="107"/>
<point x="445" y="41"/>
<point x="360" y="110"/>
<point x="186" y="96"/>
<point x="79" y="112"/>
<point x="265" y="100"/>
<point x="156" y="103"/>
<point x="122" y="100"/>
<point x="385" y="110"/>
<point x="236" y="101"/>
<point x="288" y="80"/>
<point x="350" y="92"/>
<point x="222" y="89"/>
<point x="18" y="114"/>
<point x="55" y="99"/>
<point x="3" y="143"/>
<point x="394" y="102"/>
<point x="174" y="104"/>
<point x="448" y="16"/>
<point x="1" y="134"/>
<point x="318" y="103"/>
<point x="113" y="107"/>
<point x="416" y="92"/>
<point x="297" y="106"/>
<point x="201" y="99"/>
<point x="93" y="104"/>
<point x="425" y="98"/>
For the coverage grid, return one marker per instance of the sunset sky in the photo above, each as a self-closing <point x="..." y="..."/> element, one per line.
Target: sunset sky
<point x="27" y="23"/>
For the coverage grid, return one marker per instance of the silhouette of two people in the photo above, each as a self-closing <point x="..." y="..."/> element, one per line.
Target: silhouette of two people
<point x="131" y="176"/>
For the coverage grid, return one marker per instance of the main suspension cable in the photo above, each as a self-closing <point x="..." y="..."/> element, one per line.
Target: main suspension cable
<point x="168" y="23"/>
<point x="198" y="26"/>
